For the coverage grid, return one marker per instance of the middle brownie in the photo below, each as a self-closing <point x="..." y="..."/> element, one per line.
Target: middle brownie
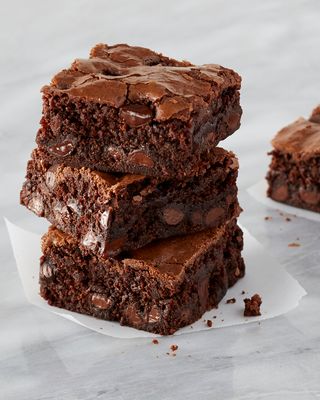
<point x="111" y="213"/>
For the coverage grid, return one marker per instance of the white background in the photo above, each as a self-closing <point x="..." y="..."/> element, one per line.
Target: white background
<point x="275" y="46"/>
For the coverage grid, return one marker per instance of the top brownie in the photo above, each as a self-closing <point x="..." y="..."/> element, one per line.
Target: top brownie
<point x="129" y="109"/>
<point x="301" y="139"/>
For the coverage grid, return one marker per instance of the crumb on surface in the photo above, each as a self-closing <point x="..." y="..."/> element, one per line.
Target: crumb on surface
<point x="155" y="341"/>
<point x="231" y="301"/>
<point x="294" y="244"/>
<point x="214" y="317"/>
<point x="267" y="218"/>
<point x="252" y="306"/>
<point x="288" y="219"/>
<point x="209" y="323"/>
<point x="243" y="292"/>
<point x="174" y="347"/>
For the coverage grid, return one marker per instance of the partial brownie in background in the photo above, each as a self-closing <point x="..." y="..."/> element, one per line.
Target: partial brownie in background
<point x="159" y="288"/>
<point x="131" y="110"/>
<point x="294" y="174"/>
<point x="109" y="213"/>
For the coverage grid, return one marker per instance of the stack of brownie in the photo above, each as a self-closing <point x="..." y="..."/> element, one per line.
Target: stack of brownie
<point x="143" y="204"/>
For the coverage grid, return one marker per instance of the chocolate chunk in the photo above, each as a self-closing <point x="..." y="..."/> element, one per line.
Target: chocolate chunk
<point x="63" y="149"/>
<point x="209" y="323"/>
<point x="50" y="179"/>
<point x="213" y="216"/>
<point x="309" y="197"/>
<point x="140" y="158"/>
<point x="280" y="193"/>
<point x="136" y="115"/>
<point x="36" y="205"/>
<point x="172" y="216"/>
<point x="101" y="301"/>
<point x="46" y="270"/>
<point x="104" y="219"/>
<point x="154" y="314"/>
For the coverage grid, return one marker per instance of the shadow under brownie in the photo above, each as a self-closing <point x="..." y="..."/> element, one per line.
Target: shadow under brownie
<point x="128" y="109"/>
<point x="294" y="174"/>
<point x="160" y="288"/>
<point x="109" y="213"/>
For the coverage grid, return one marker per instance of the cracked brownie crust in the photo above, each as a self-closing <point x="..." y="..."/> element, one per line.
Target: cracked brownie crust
<point x="294" y="173"/>
<point x="129" y="109"/>
<point x="109" y="213"/>
<point x="159" y="288"/>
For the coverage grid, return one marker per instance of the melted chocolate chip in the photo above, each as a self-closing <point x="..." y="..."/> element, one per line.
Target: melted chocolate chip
<point x="172" y="216"/>
<point x="63" y="149"/>
<point x="136" y="115"/>
<point x="140" y="158"/>
<point x="309" y="197"/>
<point x="213" y="216"/>
<point x="280" y="193"/>
<point x="101" y="301"/>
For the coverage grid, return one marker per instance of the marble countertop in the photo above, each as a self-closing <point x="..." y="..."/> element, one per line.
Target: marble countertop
<point x="275" y="47"/>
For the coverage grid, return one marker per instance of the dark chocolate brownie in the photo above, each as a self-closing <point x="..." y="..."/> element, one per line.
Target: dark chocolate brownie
<point x="109" y="213"/>
<point x="159" y="288"/>
<point x="131" y="110"/>
<point x="294" y="175"/>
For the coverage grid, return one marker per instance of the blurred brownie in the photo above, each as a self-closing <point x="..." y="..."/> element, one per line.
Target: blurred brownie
<point x="109" y="213"/>
<point x="159" y="288"/>
<point x="294" y="175"/>
<point x="131" y="110"/>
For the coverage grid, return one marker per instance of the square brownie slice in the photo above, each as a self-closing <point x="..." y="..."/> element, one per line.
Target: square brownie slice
<point x="294" y="175"/>
<point x="110" y="213"/>
<point x="159" y="288"/>
<point x="128" y="109"/>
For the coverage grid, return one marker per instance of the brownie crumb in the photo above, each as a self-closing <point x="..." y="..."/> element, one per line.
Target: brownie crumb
<point x="252" y="306"/>
<point x="209" y="323"/>
<point x="214" y="317"/>
<point x="174" y="347"/>
<point x="288" y="219"/>
<point x="294" y="244"/>
<point x="267" y="218"/>
<point x="155" y="341"/>
<point x="243" y="292"/>
<point x="231" y="301"/>
<point x="174" y="354"/>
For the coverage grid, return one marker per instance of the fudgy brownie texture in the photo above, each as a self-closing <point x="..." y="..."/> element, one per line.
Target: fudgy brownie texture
<point x="128" y="109"/>
<point x="109" y="213"/>
<point x="159" y="288"/>
<point x="294" y="174"/>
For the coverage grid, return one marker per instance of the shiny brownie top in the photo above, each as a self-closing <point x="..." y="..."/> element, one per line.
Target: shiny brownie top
<point x="169" y="257"/>
<point x="301" y="138"/>
<point x="144" y="84"/>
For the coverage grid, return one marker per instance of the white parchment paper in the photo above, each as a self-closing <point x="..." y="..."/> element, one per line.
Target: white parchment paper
<point x="280" y="292"/>
<point x="258" y="191"/>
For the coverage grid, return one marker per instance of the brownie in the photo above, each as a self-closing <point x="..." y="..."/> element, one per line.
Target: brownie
<point x="110" y="213"/>
<point x="159" y="288"/>
<point x="294" y="174"/>
<point x="128" y="109"/>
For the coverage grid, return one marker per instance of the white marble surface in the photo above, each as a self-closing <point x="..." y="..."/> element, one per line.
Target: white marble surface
<point x="275" y="46"/>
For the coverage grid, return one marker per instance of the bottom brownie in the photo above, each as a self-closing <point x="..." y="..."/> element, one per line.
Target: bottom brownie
<point x="159" y="288"/>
